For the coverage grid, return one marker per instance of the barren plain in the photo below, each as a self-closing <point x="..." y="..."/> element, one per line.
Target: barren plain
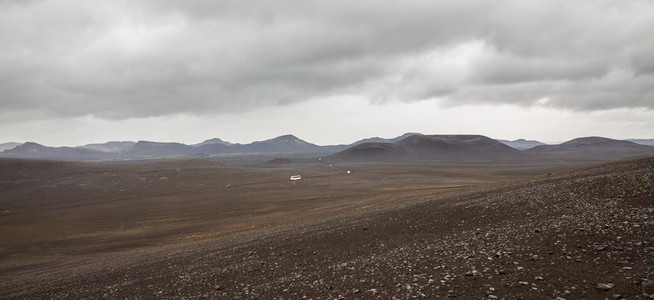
<point x="191" y="229"/>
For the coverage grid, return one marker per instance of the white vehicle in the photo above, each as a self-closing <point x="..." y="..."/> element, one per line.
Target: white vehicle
<point x="296" y="177"/>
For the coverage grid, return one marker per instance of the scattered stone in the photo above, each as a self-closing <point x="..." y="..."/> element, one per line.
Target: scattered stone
<point x="605" y="286"/>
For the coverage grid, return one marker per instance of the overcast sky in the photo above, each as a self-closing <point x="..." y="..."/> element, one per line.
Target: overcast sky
<point x="330" y="72"/>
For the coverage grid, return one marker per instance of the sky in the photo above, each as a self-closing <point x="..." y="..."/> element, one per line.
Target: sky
<point x="329" y="72"/>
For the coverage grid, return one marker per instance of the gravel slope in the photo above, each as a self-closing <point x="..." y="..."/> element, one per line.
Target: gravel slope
<point x="586" y="234"/>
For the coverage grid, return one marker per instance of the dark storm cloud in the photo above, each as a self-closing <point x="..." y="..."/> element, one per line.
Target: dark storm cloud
<point x="122" y="59"/>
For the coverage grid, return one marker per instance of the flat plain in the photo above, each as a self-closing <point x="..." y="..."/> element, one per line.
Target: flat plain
<point x="196" y="228"/>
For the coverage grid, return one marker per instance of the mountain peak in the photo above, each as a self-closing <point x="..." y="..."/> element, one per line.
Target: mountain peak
<point x="29" y="145"/>
<point x="285" y="143"/>
<point x="289" y="138"/>
<point x="214" y="141"/>
<point x="591" y="139"/>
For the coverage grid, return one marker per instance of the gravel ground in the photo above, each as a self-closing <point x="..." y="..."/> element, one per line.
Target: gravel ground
<point x="585" y="234"/>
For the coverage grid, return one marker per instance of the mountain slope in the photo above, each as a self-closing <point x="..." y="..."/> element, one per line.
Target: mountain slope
<point x="371" y="152"/>
<point x="383" y="140"/>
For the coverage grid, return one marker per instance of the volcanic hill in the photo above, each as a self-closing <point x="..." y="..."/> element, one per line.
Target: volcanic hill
<point x="593" y="148"/>
<point x="430" y="147"/>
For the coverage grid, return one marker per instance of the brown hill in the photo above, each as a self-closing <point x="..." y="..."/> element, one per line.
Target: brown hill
<point x="593" y="148"/>
<point x="430" y="147"/>
<point x="370" y="152"/>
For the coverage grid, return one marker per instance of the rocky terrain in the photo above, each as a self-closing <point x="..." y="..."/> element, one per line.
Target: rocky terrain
<point x="585" y="234"/>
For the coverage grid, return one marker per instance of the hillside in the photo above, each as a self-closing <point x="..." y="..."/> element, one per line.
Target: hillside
<point x="384" y="140"/>
<point x="593" y="148"/>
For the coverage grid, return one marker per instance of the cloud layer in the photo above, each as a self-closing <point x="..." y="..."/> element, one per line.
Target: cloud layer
<point x="134" y="59"/>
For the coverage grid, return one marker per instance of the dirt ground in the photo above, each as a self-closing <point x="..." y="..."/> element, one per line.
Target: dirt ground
<point x="202" y="229"/>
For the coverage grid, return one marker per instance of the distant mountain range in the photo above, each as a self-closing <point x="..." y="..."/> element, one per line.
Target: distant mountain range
<point x="409" y="146"/>
<point x="592" y="147"/>
<point x="521" y="144"/>
<point x="147" y="149"/>
<point x="112" y="147"/>
<point x="648" y="142"/>
<point x="477" y="147"/>
<point x="34" y="150"/>
<point x="430" y="147"/>
<point x="7" y="146"/>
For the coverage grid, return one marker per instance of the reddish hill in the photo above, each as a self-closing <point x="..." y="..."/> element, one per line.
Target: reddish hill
<point x="593" y="148"/>
<point x="370" y="152"/>
<point x="430" y="147"/>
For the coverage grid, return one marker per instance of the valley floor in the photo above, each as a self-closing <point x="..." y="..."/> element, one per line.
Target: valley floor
<point x="581" y="234"/>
